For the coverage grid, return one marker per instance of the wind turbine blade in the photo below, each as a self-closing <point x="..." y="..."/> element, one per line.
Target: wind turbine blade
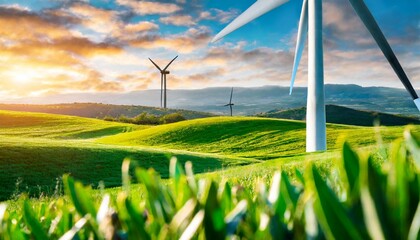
<point x="301" y="40"/>
<point x="417" y="102"/>
<point x="169" y="64"/>
<point x="231" y="94"/>
<point x="373" y="27"/>
<point x="256" y="10"/>
<point x="155" y="65"/>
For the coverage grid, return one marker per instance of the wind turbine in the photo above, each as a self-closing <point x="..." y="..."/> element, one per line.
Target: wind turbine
<point x="230" y="104"/>
<point x="163" y="73"/>
<point x="310" y="26"/>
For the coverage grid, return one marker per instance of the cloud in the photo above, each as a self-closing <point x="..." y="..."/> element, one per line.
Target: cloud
<point x="191" y="18"/>
<point x="19" y="24"/>
<point x="107" y="24"/>
<point x="149" y="8"/>
<point x="218" y="15"/>
<point x="99" y="20"/>
<point x="186" y="42"/>
<point x="141" y="27"/>
<point x="40" y="54"/>
<point x="137" y="81"/>
<point x="178" y="20"/>
<point x="78" y="47"/>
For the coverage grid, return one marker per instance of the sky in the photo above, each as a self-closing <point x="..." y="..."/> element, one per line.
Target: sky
<point x="50" y="47"/>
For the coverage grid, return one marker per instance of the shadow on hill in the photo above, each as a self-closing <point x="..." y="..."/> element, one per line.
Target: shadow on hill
<point x="343" y="115"/>
<point x="36" y="169"/>
<point x="98" y="133"/>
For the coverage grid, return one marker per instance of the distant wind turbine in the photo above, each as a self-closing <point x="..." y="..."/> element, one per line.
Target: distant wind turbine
<point x="230" y="104"/>
<point x="310" y="26"/>
<point x="163" y="73"/>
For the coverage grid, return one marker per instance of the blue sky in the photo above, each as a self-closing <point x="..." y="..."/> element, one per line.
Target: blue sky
<point x="53" y="47"/>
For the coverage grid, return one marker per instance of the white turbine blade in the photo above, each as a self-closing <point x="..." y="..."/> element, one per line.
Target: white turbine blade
<point x="373" y="27"/>
<point x="300" y="43"/>
<point x="417" y="102"/>
<point x="256" y="10"/>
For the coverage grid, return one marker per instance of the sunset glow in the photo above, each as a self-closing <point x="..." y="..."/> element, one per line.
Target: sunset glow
<point x="102" y="46"/>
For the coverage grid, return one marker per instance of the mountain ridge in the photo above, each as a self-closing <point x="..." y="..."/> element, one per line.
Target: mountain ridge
<point x="248" y="101"/>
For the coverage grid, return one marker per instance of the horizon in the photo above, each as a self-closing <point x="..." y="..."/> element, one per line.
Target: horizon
<point x="26" y="100"/>
<point x="87" y="47"/>
<point x="248" y="101"/>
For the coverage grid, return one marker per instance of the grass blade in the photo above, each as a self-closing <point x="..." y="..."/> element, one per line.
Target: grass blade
<point x="351" y="164"/>
<point x="414" y="232"/>
<point x="3" y="208"/>
<point x="75" y="229"/>
<point x="337" y="220"/>
<point x="193" y="227"/>
<point x="34" y="225"/>
<point x="181" y="217"/>
<point x="233" y="219"/>
<point x="213" y="218"/>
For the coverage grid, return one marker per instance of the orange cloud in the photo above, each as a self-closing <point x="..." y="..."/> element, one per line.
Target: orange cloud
<point x="148" y="7"/>
<point x="99" y="20"/>
<point x="17" y="25"/>
<point x="141" y="27"/>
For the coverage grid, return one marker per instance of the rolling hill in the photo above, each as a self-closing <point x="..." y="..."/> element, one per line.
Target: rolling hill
<point x="247" y="137"/>
<point x="98" y="110"/>
<point x="344" y="115"/>
<point x="37" y="149"/>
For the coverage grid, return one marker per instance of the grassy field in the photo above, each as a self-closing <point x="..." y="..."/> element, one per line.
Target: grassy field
<point x="36" y="149"/>
<point x="257" y="138"/>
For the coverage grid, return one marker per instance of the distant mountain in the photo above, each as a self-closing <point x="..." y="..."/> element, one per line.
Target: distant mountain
<point x="248" y="101"/>
<point x="98" y="110"/>
<point x="344" y="115"/>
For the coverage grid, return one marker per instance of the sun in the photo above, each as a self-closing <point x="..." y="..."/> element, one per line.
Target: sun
<point x="23" y="77"/>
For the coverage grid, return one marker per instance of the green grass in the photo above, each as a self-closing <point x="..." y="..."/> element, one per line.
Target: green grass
<point x="39" y="148"/>
<point x="257" y="138"/>
<point x="349" y="199"/>
<point x="36" y="149"/>
<point x="40" y="125"/>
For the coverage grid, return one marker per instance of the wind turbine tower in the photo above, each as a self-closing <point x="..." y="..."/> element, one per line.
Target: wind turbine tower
<point x="163" y="74"/>
<point x="310" y="27"/>
<point x="230" y="104"/>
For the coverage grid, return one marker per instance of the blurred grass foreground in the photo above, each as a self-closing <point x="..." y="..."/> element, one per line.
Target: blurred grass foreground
<point x="360" y="198"/>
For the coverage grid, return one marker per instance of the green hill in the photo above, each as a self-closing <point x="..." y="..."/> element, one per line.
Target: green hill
<point x="36" y="149"/>
<point x="344" y="115"/>
<point x="99" y="110"/>
<point x="22" y="124"/>
<point x="246" y="137"/>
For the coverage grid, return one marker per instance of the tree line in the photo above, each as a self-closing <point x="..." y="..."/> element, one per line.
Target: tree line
<point x="148" y="119"/>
